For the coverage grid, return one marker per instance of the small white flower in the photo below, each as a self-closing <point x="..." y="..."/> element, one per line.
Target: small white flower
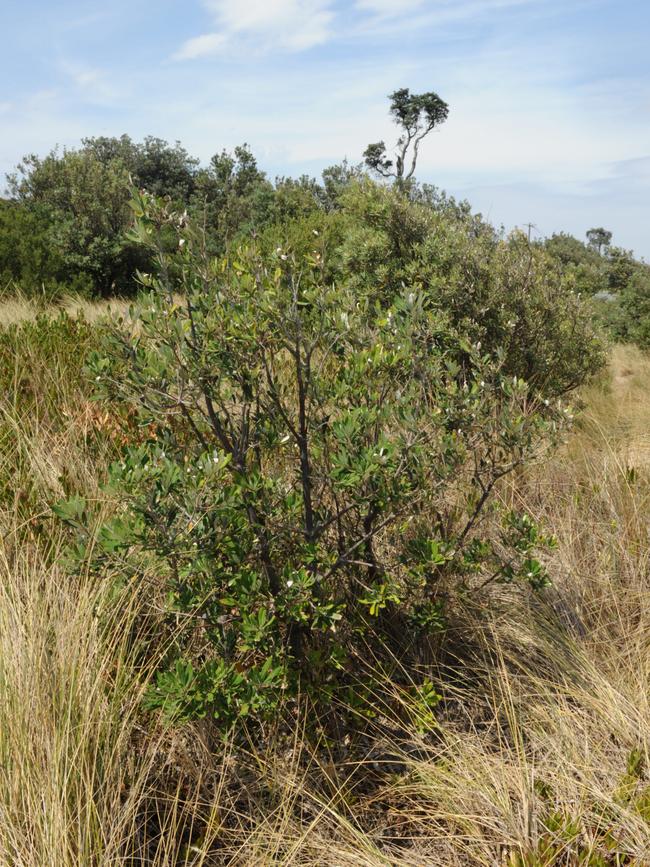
<point x="290" y="583"/>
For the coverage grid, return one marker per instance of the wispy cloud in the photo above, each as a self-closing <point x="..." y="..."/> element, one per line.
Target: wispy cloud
<point x="201" y="46"/>
<point x="297" y="25"/>
<point x="289" y="25"/>
<point x="92" y="82"/>
<point x="388" y="8"/>
<point x="389" y="17"/>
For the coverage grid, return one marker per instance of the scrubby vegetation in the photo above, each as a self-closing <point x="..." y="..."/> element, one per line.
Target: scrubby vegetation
<point x="306" y="557"/>
<point x="327" y="436"/>
<point x="64" y="224"/>
<point x="617" y="283"/>
<point x="534" y="753"/>
<point x="65" y="218"/>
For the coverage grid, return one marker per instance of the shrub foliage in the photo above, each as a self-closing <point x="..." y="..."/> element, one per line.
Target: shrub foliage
<point x="324" y="446"/>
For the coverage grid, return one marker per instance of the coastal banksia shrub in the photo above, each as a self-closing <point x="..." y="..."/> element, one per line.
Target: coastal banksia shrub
<point x="322" y="461"/>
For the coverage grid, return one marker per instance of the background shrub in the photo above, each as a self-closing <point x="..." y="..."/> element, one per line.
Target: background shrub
<point x="505" y="294"/>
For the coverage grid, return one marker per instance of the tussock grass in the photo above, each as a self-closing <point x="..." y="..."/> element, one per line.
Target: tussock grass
<point x="68" y="713"/>
<point x="18" y="308"/>
<point x="540" y="755"/>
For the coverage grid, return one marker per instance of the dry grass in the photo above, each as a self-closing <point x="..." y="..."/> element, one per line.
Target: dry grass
<point x="540" y="757"/>
<point x="16" y="309"/>
<point x="67" y="716"/>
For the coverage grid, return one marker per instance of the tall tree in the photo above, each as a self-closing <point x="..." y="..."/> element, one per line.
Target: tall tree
<point x="417" y="115"/>
<point x="599" y="238"/>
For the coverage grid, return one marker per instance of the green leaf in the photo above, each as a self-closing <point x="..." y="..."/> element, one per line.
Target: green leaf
<point x="72" y="511"/>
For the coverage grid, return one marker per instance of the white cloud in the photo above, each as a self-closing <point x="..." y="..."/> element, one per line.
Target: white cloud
<point x="290" y="25"/>
<point x="388" y="8"/>
<point x="393" y="16"/>
<point x="201" y="46"/>
<point x="297" y="25"/>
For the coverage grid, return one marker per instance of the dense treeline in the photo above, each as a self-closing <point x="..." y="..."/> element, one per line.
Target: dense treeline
<point x="64" y="224"/>
<point x="617" y="282"/>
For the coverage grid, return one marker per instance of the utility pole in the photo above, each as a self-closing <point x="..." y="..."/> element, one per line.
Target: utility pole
<point x="530" y="227"/>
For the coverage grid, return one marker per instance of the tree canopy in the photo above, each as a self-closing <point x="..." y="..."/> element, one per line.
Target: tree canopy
<point x="417" y="115"/>
<point x="598" y="238"/>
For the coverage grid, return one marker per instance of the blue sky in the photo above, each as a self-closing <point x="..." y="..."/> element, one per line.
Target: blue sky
<point x="549" y="99"/>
